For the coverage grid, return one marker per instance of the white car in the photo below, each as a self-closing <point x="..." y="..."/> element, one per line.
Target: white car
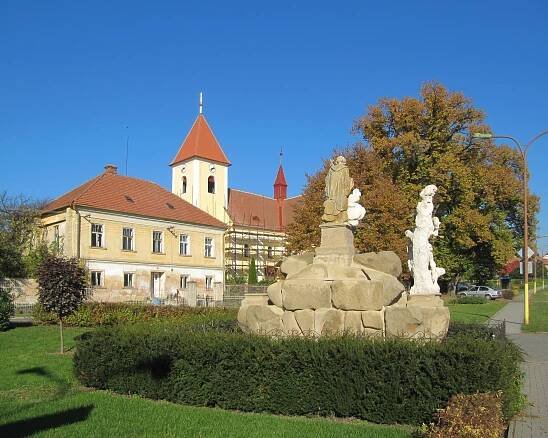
<point x="481" y="291"/>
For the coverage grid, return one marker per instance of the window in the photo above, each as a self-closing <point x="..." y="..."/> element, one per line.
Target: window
<point x="208" y="248"/>
<point x="209" y="282"/>
<point x="184" y="281"/>
<point x="184" y="244"/>
<point x="96" y="278"/>
<point x="157" y="242"/>
<point x="128" y="279"/>
<point x="183" y="187"/>
<point x="56" y="237"/>
<point x="127" y="239"/>
<point x="270" y="252"/>
<point x="97" y="239"/>
<point x="211" y="184"/>
<point x="246" y="250"/>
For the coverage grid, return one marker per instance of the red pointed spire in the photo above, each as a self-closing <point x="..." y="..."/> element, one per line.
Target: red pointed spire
<point x="280" y="185"/>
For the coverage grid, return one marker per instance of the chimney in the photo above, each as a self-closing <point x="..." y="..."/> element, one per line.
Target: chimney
<point x="111" y="169"/>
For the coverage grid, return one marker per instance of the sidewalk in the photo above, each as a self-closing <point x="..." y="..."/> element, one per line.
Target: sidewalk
<point x="533" y="422"/>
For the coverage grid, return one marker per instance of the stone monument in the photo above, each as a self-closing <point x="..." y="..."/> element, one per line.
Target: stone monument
<point x="334" y="290"/>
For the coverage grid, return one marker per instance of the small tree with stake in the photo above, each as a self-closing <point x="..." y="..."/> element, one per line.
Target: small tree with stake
<point x="61" y="287"/>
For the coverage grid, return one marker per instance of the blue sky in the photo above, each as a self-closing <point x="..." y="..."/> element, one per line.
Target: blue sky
<point x="74" y="75"/>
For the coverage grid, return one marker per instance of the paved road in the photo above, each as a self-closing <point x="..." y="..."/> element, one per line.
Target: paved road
<point x="533" y="423"/>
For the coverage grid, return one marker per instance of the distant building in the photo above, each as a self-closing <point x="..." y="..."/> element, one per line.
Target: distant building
<point x="256" y="224"/>
<point x="138" y="240"/>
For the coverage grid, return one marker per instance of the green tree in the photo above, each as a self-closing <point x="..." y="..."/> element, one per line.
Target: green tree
<point x="412" y="142"/>
<point x="21" y="245"/>
<point x="62" y="287"/>
<point x="252" y="273"/>
<point x="7" y="308"/>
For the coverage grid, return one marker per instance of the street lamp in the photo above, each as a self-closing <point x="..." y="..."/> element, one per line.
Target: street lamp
<point x="523" y="152"/>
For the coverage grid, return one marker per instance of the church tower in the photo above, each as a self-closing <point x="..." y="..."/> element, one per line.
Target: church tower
<point x="280" y="194"/>
<point x="199" y="171"/>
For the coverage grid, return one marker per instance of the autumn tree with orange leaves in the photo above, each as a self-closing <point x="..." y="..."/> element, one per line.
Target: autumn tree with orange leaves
<point x="407" y="144"/>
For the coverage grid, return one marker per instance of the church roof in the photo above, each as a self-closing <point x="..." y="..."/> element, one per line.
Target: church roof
<point x="122" y="194"/>
<point x="258" y="211"/>
<point x="280" y="177"/>
<point x="200" y="142"/>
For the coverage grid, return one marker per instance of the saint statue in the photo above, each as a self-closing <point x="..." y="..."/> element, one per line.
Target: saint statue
<point x="338" y="185"/>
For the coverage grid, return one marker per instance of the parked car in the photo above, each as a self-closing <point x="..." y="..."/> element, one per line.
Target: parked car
<point x="481" y="291"/>
<point x="462" y="287"/>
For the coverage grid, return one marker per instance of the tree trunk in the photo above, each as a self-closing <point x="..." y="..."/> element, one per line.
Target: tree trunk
<point x="61" y="329"/>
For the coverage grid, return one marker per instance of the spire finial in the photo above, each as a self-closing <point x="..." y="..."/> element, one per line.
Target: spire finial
<point x="281" y="154"/>
<point x="201" y="103"/>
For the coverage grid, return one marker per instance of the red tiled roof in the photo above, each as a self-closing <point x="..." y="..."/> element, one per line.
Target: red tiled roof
<point x="122" y="194"/>
<point x="201" y="142"/>
<point x="257" y="211"/>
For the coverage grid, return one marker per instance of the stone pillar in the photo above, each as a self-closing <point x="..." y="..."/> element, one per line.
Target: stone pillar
<point x="337" y="244"/>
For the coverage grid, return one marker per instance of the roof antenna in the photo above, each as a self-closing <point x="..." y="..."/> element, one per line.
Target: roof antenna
<point x="201" y="103"/>
<point x="127" y="148"/>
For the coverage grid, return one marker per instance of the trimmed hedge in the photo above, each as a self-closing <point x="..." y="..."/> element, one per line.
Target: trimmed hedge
<point x="393" y="381"/>
<point x="94" y="314"/>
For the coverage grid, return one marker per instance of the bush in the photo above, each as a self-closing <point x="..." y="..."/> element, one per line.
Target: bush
<point x="473" y="415"/>
<point x="93" y="314"/>
<point x="7" y="308"/>
<point x="508" y="294"/>
<point x="477" y="330"/>
<point x="471" y="300"/>
<point x="392" y="381"/>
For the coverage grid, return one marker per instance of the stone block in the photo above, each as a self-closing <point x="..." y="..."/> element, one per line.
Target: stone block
<point x="357" y="295"/>
<point x="305" y="320"/>
<point x="339" y="272"/>
<point x="328" y="321"/>
<point x="264" y="318"/>
<point x="295" y="263"/>
<point x="290" y="326"/>
<point x="372" y="333"/>
<point x="242" y="318"/>
<point x="384" y="261"/>
<point x="416" y="322"/>
<point x="337" y="244"/>
<point x="255" y="300"/>
<point x="274" y="292"/>
<point x="310" y="272"/>
<point x="306" y="294"/>
<point x="392" y="288"/>
<point x="353" y="322"/>
<point x="373" y="319"/>
<point x="424" y="301"/>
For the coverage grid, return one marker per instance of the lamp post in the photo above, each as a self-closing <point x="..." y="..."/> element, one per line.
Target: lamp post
<point x="523" y="151"/>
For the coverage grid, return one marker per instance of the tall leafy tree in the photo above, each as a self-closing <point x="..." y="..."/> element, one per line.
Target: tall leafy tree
<point x="412" y="142"/>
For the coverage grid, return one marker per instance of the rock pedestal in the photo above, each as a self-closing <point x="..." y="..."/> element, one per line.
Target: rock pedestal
<point x="336" y="291"/>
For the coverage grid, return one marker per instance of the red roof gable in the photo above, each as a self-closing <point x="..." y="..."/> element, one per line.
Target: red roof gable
<point x="112" y="192"/>
<point x="257" y="211"/>
<point x="201" y="142"/>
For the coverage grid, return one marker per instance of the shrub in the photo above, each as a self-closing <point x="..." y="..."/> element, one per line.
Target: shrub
<point x="7" y="308"/>
<point x="471" y="300"/>
<point x="61" y="287"/>
<point x="93" y="314"/>
<point x="252" y="273"/>
<point x="472" y="415"/>
<point x="392" y="381"/>
<point x="477" y="330"/>
<point x="508" y="294"/>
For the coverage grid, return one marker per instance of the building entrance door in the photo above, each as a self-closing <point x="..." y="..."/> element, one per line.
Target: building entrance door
<point x="156" y="284"/>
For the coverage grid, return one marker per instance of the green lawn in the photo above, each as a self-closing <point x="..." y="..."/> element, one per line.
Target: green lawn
<point x="538" y="311"/>
<point x="38" y="393"/>
<point x="475" y="312"/>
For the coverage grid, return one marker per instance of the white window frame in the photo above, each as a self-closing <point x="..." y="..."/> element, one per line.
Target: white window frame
<point x="132" y="237"/>
<point x="161" y="242"/>
<point x="183" y="282"/>
<point x="209" y="279"/>
<point x="210" y="246"/>
<point x="187" y="253"/>
<point x="130" y="283"/>
<point x="101" y="233"/>
<point x="101" y="278"/>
